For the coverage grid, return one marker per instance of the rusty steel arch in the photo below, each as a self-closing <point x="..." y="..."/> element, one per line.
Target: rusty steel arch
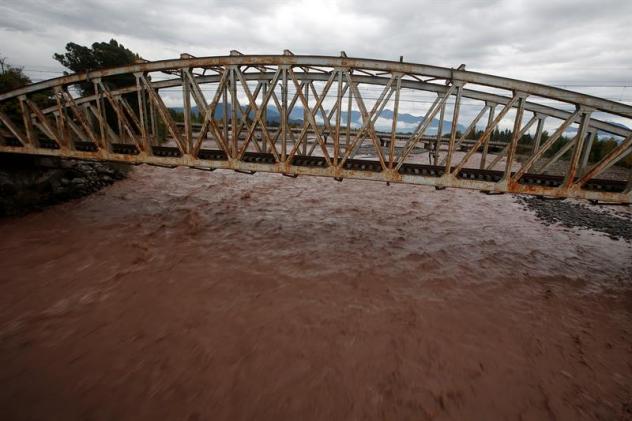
<point x="124" y="124"/>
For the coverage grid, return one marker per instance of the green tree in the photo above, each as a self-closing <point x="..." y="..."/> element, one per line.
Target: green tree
<point x="79" y="58"/>
<point x="602" y="147"/>
<point x="11" y="78"/>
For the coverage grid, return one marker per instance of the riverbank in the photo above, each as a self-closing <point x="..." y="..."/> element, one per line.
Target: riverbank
<point x="30" y="183"/>
<point x="612" y="220"/>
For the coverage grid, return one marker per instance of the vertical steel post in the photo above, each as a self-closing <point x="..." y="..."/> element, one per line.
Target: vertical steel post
<point x="578" y="149"/>
<point x="538" y="134"/>
<point x="305" y="111"/>
<point x="225" y="117"/>
<point x="234" y="112"/>
<point x="338" y="114"/>
<point x="515" y="138"/>
<point x="61" y="117"/>
<point x="100" y="111"/>
<point x="391" y="149"/>
<point x="188" y="127"/>
<point x="435" y="152"/>
<point x="349" y="109"/>
<point x="142" y="113"/>
<point x="490" y="120"/>
<point x="586" y="152"/>
<point x="453" y="128"/>
<point x="264" y="114"/>
<point x="26" y="118"/>
<point x="284" y="115"/>
<point x="153" y="120"/>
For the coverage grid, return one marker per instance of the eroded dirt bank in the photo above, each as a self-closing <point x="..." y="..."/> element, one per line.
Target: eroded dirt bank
<point x="177" y="294"/>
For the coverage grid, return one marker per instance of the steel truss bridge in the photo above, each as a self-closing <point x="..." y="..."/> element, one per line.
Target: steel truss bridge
<point x="124" y="124"/>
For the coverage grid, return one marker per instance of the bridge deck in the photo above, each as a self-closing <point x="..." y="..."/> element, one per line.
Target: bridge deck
<point x="251" y="162"/>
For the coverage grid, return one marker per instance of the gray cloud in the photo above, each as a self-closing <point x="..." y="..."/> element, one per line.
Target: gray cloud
<point x="539" y="40"/>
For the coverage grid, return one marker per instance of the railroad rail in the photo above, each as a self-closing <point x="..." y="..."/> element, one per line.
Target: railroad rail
<point x="549" y="152"/>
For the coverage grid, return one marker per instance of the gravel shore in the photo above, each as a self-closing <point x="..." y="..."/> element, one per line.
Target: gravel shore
<point x="615" y="221"/>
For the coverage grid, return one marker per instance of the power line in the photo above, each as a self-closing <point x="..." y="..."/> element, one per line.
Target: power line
<point x="402" y="98"/>
<point x="367" y="87"/>
<point x="560" y="84"/>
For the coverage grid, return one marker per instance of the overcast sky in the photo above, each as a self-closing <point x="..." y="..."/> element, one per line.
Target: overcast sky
<point x="579" y="44"/>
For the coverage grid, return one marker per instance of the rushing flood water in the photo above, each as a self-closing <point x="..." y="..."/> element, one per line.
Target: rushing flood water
<point x="182" y="294"/>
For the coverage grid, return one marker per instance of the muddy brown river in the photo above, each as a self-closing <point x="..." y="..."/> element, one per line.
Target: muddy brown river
<point x="188" y="295"/>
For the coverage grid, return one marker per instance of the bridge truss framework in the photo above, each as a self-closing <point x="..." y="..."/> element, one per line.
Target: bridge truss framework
<point x="123" y="124"/>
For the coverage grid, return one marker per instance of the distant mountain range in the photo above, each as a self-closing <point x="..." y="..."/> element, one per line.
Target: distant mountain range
<point x="407" y="123"/>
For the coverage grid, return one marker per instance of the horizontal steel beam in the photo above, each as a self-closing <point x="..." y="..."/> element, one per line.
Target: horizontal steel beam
<point x="434" y="72"/>
<point x="445" y="180"/>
